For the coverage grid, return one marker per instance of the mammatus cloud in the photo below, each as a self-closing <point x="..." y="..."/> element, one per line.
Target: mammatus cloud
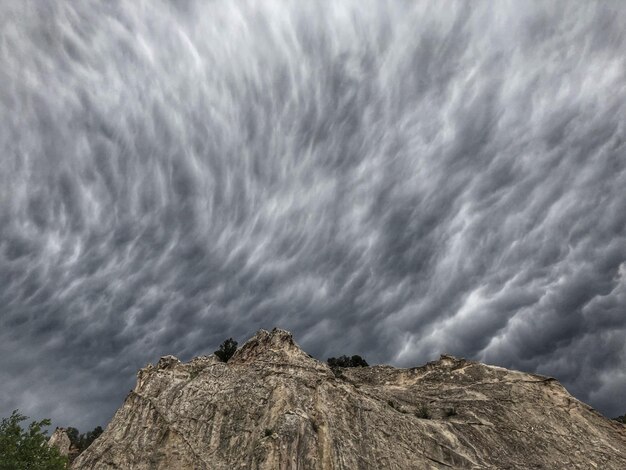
<point x="391" y="179"/>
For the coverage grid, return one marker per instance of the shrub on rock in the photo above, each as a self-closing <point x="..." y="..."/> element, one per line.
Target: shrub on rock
<point x="226" y="350"/>
<point x="345" y="361"/>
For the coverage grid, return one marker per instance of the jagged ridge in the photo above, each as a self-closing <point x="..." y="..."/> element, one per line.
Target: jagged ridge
<point x="275" y="407"/>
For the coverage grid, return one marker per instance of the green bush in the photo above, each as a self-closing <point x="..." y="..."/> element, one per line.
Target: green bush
<point x="194" y="373"/>
<point x="226" y="350"/>
<point x="345" y="361"/>
<point x="27" y="448"/>
<point x="81" y="441"/>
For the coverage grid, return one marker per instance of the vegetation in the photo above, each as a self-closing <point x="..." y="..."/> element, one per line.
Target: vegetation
<point x="345" y="361"/>
<point x="450" y="412"/>
<point x="226" y="350"/>
<point x="621" y="419"/>
<point x="82" y="441"/>
<point x="423" y="412"/>
<point x="27" y="448"/>
<point x="195" y="372"/>
<point x="268" y="432"/>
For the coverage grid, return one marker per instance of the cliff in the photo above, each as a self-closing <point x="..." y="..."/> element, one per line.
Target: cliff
<point x="60" y="441"/>
<point x="272" y="406"/>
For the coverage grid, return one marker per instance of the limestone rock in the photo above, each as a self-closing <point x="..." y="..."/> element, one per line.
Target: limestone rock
<point x="61" y="441"/>
<point x="272" y="406"/>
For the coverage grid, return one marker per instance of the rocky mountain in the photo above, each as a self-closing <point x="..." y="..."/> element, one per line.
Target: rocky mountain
<point x="60" y="441"/>
<point x="272" y="406"/>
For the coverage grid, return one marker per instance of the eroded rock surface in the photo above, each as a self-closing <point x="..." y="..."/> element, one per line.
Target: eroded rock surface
<point x="61" y="441"/>
<point x="272" y="406"/>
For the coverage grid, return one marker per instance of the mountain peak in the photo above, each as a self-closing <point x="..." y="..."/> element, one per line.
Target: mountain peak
<point x="273" y="406"/>
<point x="277" y="346"/>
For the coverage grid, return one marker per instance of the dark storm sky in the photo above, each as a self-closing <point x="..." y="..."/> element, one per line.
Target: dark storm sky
<point x="393" y="179"/>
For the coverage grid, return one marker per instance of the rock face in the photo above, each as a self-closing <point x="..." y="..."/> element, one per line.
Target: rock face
<point x="61" y="441"/>
<point x="272" y="406"/>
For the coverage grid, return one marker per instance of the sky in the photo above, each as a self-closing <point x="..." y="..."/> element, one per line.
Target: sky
<point x="393" y="179"/>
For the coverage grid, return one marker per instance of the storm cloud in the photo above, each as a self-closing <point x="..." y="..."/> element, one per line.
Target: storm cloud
<point x="391" y="179"/>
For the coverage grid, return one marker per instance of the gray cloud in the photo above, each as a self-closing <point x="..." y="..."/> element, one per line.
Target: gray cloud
<point x="393" y="179"/>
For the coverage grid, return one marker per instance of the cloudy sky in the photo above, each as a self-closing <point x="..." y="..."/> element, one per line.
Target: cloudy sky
<point x="392" y="179"/>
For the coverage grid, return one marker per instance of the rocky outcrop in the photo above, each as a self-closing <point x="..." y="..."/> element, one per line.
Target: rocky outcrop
<point x="272" y="406"/>
<point x="61" y="441"/>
